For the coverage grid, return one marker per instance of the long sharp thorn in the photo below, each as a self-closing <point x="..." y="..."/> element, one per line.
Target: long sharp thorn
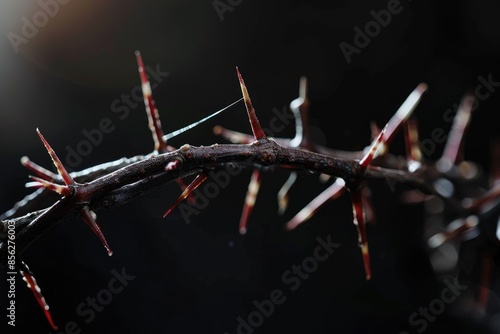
<point x="453" y="150"/>
<point x="257" y="130"/>
<point x="359" y="221"/>
<point x="253" y="190"/>
<point x="367" y="159"/>
<point x="33" y="285"/>
<point x="151" y="110"/>
<point x="332" y="192"/>
<point x="189" y="189"/>
<point x="88" y="217"/>
<point x="38" y="170"/>
<point x="60" y="189"/>
<point x="68" y="180"/>
<point x="284" y="191"/>
<point x="404" y="112"/>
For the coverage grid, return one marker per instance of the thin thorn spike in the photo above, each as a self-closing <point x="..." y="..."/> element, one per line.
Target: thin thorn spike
<point x="33" y="285"/>
<point x="332" y="192"/>
<point x="404" y="112"/>
<point x="187" y="191"/>
<point x="60" y="189"/>
<point x="257" y="130"/>
<point x="251" y="196"/>
<point x="88" y="218"/>
<point x="359" y="221"/>
<point x="283" y="194"/>
<point x="38" y="170"/>
<point x="153" y="116"/>
<point x="367" y="159"/>
<point x="68" y="180"/>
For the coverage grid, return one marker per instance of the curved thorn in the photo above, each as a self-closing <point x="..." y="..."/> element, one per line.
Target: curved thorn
<point x="253" y="190"/>
<point x="359" y="221"/>
<point x="189" y="189"/>
<point x="89" y="217"/>
<point x="38" y="170"/>
<point x="151" y="110"/>
<point x="68" y="180"/>
<point x="300" y="110"/>
<point x="284" y="191"/>
<point x="252" y="117"/>
<point x="60" y="189"/>
<point x="332" y="192"/>
<point x="33" y="286"/>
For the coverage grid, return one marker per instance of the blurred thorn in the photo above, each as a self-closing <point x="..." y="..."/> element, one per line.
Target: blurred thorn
<point x="251" y="196"/>
<point x="332" y="192"/>
<point x="283" y="194"/>
<point x="188" y="190"/>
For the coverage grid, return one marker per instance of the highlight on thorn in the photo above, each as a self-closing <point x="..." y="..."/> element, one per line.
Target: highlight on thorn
<point x="257" y="130"/>
<point x="89" y="217"/>
<point x="187" y="191"/>
<point x="68" y="180"/>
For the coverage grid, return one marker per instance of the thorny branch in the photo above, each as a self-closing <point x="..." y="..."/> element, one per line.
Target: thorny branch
<point x="115" y="183"/>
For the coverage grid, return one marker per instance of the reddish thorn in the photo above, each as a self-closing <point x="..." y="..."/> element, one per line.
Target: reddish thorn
<point x="253" y="190"/>
<point x="38" y="170"/>
<point x="189" y="189"/>
<point x="367" y="159"/>
<point x="151" y="110"/>
<point x="332" y="192"/>
<point x="60" y="189"/>
<point x="359" y="221"/>
<point x="254" y="122"/>
<point x="68" y="180"/>
<point x="32" y="284"/>
<point x="404" y="111"/>
<point x="89" y="218"/>
<point x="183" y="186"/>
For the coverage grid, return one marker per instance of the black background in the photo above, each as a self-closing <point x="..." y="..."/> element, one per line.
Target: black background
<point x="200" y="277"/>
